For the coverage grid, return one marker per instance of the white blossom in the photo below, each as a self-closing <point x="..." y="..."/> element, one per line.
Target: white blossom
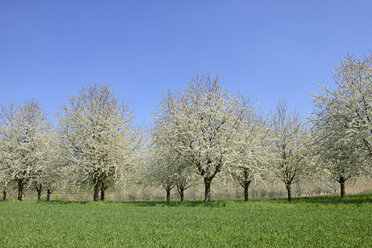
<point x="200" y="124"/>
<point x="100" y="139"/>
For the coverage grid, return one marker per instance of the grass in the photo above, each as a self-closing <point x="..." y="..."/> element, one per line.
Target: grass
<point x="325" y="221"/>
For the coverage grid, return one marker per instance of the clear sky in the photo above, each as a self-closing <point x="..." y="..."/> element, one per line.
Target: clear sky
<point x="270" y="50"/>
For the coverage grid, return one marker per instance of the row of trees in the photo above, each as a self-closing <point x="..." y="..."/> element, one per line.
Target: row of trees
<point x="197" y="134"/>
<point x="92" y="145"/>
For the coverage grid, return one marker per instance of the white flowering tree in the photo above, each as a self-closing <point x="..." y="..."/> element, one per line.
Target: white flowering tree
<point x="200" y="124"/>
<point x="338" y="162"/>
<point x="290" y="146"/>
<point x="185" y="178"/>
<point x="342" y="119"/>
<point x="5" y="177"/>
<point x="251" y="153"/>
<point x="160" y="168"/>
<point x="169" y="169"/>
<point x="50" y="171"/>
<point x="7" y="115"/>
<point x="20" y="126"/>
<point x="98" y="133"/>
<point x="166" y="165"/>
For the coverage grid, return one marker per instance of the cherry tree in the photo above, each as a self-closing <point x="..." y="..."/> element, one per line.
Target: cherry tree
<point x="168" y="168"/>
<point x="343" y="117"/>
<point x="98" y="133"/>
<point x="7" y="115"/>
<point x="200" y="124"/>
<point x="5" y="177"/>
<point x="290" y="145"/>
<point x="161" y="168"/>
<point x="185" y="178"/>
<point x="251" y="153"/>
<point x="19" y="129"/>
<point x="337" y="161"/>
<point x="50" y="171"/>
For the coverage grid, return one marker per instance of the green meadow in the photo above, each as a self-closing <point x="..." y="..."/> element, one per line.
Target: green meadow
<point x="325" y="221"/>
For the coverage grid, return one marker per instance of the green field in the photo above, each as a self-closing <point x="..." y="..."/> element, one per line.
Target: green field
<point x="306" y="222"/>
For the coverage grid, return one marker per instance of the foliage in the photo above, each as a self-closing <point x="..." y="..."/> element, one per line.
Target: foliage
<point x="251" y="153"/>
<point x="20" y="127"/>
<point x="200" y="124"/>
<point x="200" y="133"/>
<point x="98" y="135"/>
<point x="342" y="121"/>
<point x="52" y="164"/>
<point x="290" y="145"/>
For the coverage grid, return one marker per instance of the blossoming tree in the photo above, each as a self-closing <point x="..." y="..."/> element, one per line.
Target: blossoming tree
<point x="100" y="139"/>
<point x="201" y="123"/>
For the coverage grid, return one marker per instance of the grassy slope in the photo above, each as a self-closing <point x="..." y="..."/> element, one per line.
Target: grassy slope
<point x="307" y="222"/>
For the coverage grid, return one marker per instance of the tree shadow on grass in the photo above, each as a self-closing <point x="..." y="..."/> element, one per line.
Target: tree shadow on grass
<point x="322" y="200"/>
<point x="335" y="199"/>
<point x="191" y="203"/>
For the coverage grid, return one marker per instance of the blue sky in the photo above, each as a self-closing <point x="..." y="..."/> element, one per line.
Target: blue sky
<point x="270" y="50"/>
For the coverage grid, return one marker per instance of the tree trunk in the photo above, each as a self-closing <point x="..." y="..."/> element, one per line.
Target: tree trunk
<point x="181" y="193"/>
<point x="342" y="184"/>
<point x="4" y="195"/>
<point x="246" y="186"/>
<point x="20" y="189"/>
<point x="342" y="181"/>
<point x="102" y="194"/>
<point x="49" y="192"/>
<point x="207" y="193"/>
<point x="168" y="189"/>
<point x="96" y="191"/>
<point x="288" y="186"/>
<point x="38" y="189"/>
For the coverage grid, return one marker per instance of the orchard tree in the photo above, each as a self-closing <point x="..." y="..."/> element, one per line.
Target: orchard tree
<point x="185" y="178"/>
<point x="337" y="157"/>
<point x="170" y="169"/>
<point x="98" y="133"/>
<point x="200" y="124"/>
<point x="290" y="145"/>
<point x="5" y="177"/>
<point x="342" y="120"/>
<point x="346" y="111"/>
<point x="161" y="168"/>
<point x="51" y="167"/>
<point x="251" y="153"/>
<point x="7" y="115"/>
<point x="19" y="129"/>
<point x="167" y="165"/>
<point x="339" y="164"/>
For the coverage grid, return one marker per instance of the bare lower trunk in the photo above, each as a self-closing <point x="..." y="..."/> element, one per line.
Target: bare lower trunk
<point x="96" y="191"/>
<point x="182" y="196"/>
<point x="168" y="189"/>
<point x="246" y="187"/>
<point x="49" y="192"/>
<point x="20" y="189"/>
<point x="342" y="181"/>
<point x="288" y="186"/>
<point x="103" y="188"/>
<point x="4" y="195"/>
<point x="102" y="194"/>
<point x="38" y="189"/>
<point x="342" y="189"/>
<point x="181" y="191"/>
<point x="207" y="192"/>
